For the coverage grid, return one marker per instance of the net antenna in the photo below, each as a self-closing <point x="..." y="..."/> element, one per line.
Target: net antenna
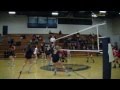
<point x="97" y="26"/>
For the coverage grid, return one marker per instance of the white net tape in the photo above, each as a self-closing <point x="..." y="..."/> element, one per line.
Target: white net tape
<point x="94" y="51"/>
<point x="80" y="31"/>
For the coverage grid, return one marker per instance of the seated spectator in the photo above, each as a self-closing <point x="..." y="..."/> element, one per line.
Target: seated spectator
<point x="37" y="36"/>
<point x="77" y="36"/>
<point x="24" y="37"/>
<point x="60" y="32"/>
<point x="30" y="41"/>
<point x="36" y="41"/>
<point x="40" y="38"/>
<point x="33" y="37"/>
<point x="10" y="41"/>
<point x="0" y="38"/>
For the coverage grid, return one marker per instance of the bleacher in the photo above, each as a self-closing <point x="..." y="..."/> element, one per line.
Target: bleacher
<point x="19" y="49"/>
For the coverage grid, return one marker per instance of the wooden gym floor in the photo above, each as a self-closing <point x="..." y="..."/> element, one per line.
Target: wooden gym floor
<point x="94" y="72"/>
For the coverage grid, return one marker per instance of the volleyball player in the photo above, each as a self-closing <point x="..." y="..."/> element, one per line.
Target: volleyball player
<point x="52" y="42"/>
<point x="28" y="56"/>
<point x="57" y="62"/>
<point x="68" y="55"/>
<point x="11" y="54"/>
<point x="36" y="53"/>
<point x="48" y="53"/>
<point x="43" y="51"/>
<point x="116" y="55"/>
<point x="63" y="55"/>
<point x="119" y="57"/>
<point x="90" y="56"/>
<point x="52" y="39"/>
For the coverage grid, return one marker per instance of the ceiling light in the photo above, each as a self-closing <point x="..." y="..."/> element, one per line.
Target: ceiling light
<point x="12" y="12"/>
<point x="102" y="12"/>
<point x="55" y="13"/>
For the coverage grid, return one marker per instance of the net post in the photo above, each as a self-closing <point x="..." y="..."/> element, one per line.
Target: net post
<point x="98" y="38"/>
<point x="106" y="63"/>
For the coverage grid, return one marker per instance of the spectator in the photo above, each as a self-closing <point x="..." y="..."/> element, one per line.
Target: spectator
<point x="50" y="32"/>
<point x="60" y="32"/>
<point x="36" y="41"/>
<point x="37" y="36"/>
<point x="10" y="41"/>
<point x="77" y="36"/>
<point x="21" y="38"/>
<point x="0" y="38"/>
<point x="33" y="37"/>
<point x="40" y="38"/>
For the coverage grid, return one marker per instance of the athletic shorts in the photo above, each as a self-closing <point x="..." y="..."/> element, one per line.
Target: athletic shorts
<point x="48" y="52"/>
<point x="28" y="56"/>
<point x="55" y="60"/>
<point x="11" y="54"/>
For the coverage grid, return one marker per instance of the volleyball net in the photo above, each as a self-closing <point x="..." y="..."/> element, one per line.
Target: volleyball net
<point x="85" y="40"/>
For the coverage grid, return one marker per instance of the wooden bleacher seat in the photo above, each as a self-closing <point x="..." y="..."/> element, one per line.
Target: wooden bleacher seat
<point x="19" y="49"/>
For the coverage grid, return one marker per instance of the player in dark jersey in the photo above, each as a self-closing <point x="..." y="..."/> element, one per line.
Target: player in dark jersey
<point x="28" y="56"/>
<point x="48" y="53"/>
<point x="11" y="54"/>
<point x="42" y="46"/>
<point x="90" y="56"/>
<point x="57" y="63"/>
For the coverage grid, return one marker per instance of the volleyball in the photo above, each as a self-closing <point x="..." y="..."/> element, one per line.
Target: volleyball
<point x="52" y="39"/>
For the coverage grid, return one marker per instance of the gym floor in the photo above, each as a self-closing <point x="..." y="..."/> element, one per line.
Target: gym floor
<point x="39" y="71"/>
